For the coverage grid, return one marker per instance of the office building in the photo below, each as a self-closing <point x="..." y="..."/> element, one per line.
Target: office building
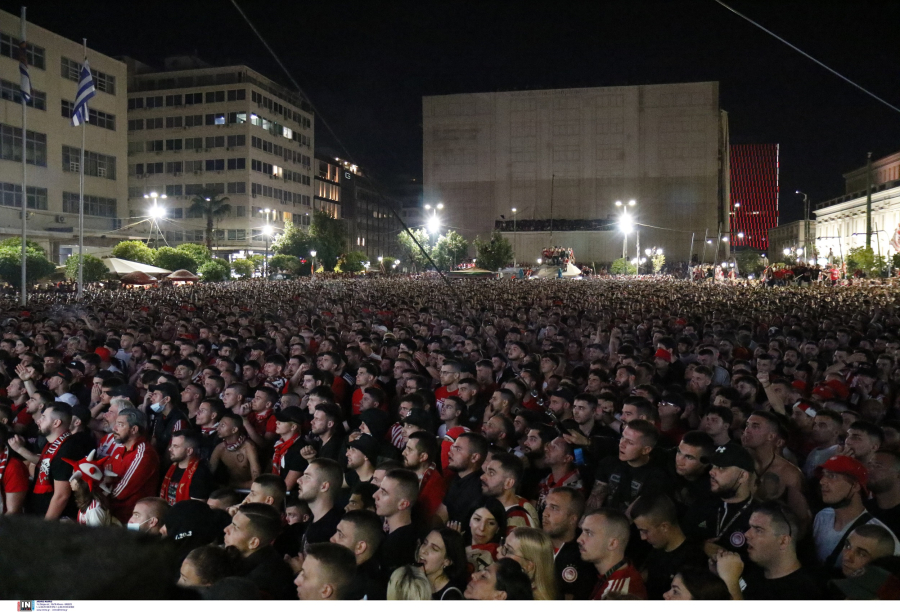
<point x="754" y="194"/>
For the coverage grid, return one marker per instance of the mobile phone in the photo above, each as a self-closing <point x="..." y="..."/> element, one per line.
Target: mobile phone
<point x="579" y="456"/>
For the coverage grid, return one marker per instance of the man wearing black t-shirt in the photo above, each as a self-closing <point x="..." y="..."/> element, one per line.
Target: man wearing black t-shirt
<point x="396" y="495"/>
<point x="690" y="464"/>
<point x="188" y="477"/>
<point x="884" y="483"/>
<point x="51" y="496"/>
<point x="319" y="487"/>
<point x="774" y="572"/>
<point x="656" y="519"/>
<point x="575" y="578"/>
<point x="465" y="458"/>
<point x="621" y="480"/>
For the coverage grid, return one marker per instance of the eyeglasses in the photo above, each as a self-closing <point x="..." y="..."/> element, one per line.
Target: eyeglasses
<point x="506" y="550"/>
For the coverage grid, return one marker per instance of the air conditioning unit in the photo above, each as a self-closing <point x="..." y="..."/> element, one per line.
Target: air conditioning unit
<point x="59" y="219"/>
<point x="74" y="166"/>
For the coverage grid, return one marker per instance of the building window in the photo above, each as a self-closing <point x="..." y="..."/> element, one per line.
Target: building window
<point x="193" y="120"/>
<point x="192" y="189"/>
<point x="237" y="163"/>
<point x="176" y="213"/>
<point x="11" y="145"/>
<point x="102" y="82"/>
<point x="195" y="166"/>
<point x="239" y="140"/>
<point x="135" y="124"/>
<point x="135" y="146"/>
<point x="237" y="94"/>
<point x="213" y="165"/>
<point x="174" y="100"/>
<point x="240" y="212"/>
<point x="216" y="188"/>
<point x="173" y="167"/>
<point x="215" y="141"/>
<point x="135" y="103"/>
<point x="215" y="119"/>
<point x="174" y="122"/>
<point x="193" y="143"/>
<point x="154" y="123"/>
<point x="215" y="96"/>
<point x="154" y="168"/>
<point x="154" y="145"/>
<point x="11" y="195"/>
<point x="34" y="55"/>
<point x="174" y="190"/>
<point x="11" y="91"/>
<point x="238" y="187"/>
<point x="173" y="144"/>
<point x="99" y="118"/>
<point x="93" y="205"/>
<point x="193" y="98"/>
<point x="95" y="164"/>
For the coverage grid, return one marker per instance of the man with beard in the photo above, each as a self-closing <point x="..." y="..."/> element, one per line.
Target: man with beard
<point x="560" y="458"/>
<point x="469" y="389"/>
<point x="500" y="480"/>
<point x="536" y="469"/>
<point x="465" y="459"/>
<point x="723" y="524"/>
<point x="134" y="462"/>
<point x="884" y="483"/>
<point x="327" y="426"/>
<point x="188" y="477"/>
<point x="826" y="432"/>
<point x="420" y="456"/>
<point x="562" y="512"/>
<point x="51" y="496"/>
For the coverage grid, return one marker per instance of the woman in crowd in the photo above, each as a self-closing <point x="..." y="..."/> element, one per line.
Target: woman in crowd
<point x="486" y="528"/>
<point x="532" y="549"/>
<point x="409" y="583"/>
<point x="443" y="557"/>
<point x="698" y="584"/>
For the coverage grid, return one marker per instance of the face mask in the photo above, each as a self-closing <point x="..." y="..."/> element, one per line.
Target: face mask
<point x="156" y="407"/>
<point x="135" y="526"/>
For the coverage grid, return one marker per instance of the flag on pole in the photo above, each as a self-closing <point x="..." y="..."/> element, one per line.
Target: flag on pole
<point x="25" y="80"/>
<point x="86" y="91"/>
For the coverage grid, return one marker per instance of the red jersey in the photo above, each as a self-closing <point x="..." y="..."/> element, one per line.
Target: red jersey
<point x="107" y="446"/>
<point x="21" y="415"/>
<point x="440" y="394"/>
<point x="137" y="476"/>
<point x="432" y="488"/>
<point x="357" y="401"/>
<point x="263" y="422"/>
<point x="623" y="579"/>
<point x="13" y="477"/>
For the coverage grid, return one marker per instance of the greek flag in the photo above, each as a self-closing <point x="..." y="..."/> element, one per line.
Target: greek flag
<point x="25" y="80"/>
<point x="86" y="91"/>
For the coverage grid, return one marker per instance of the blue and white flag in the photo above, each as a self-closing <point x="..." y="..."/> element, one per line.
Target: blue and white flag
<point x="86" y="91"/>
<point x="25" y="80"/>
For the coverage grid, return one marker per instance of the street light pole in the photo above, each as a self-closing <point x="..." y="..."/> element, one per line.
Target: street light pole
<point x="156" y="212"/>
<point x="805" y="219"/>
<point x="515" y="239"/>
<point x="313" y="273"/>
<point x="267" y="231"/>
<point x="626" y="225"/>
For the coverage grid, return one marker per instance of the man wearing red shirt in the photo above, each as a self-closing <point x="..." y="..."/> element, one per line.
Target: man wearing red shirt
<point x="450" y="372"/>
<point x="560" y="458"/>
<point x="135" y="464"/>
<point x="331" y="361"/>
<point x="365" y="378"/>
<point x="14" y="483"/>
<point x="17" y="393"/>
<point x="260" y="421"/>
<point x="604" y="537"/>
<point x="417" y="456"/>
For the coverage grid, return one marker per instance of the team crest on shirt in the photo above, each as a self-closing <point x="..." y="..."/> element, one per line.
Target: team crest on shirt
<point x="737" y="539"/>
<point x="570" y="574"/>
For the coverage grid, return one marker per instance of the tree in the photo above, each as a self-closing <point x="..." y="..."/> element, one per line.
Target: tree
<point x="658" y="260"/>
<point x="215" y="270"/>
<point x="134" y="250"/>
<point x="294" y="241"/>
<point x="622" y="266"/>
<point x="211" y="205"/>
<point x="329" y="238"/>
<point x="749" y="261"/>
<point x="495" y="253"/>
<point x="352" y="262"/>
<point x="259" y="262"/>
<point x="198" y="252"/>
<point x="244" y="268"/>
<point x="865" y="259"/>
<point x="37" y="266"/>
<point x="94" y="268"/>
<point x="284" y="263"/>
<point x="16" y="243"/>
<point x="173" y="259"/>
<point x="451" y="248"/>
<point x="410" y="253"/>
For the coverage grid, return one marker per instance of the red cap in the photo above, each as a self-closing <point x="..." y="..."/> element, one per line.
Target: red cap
<point x="799" y="385"/>
<point x="663" y="354"/>
<point x="680" y="322"/>
<point x="824" y="392"/>
<point x="842" y="464"/>
<point x="104" y="353"/>
<point x="839" y="388"/>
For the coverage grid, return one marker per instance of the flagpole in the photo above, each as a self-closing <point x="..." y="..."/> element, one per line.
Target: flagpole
<point x="81" y="198"/>
<point x="23" y="293"/>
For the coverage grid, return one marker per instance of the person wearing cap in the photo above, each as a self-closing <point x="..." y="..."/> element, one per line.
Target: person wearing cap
<point x="362" y="456"/>
<point x="188" y="477"/>
<point x="168" y="417"/>
<point x="106" y="360"/>
<point x="560" y="405"/>
<point x="416" y="420"/>
<point x="287" y="461"/>
<point x="723" y="523"/>
<point x="843" y="483"/>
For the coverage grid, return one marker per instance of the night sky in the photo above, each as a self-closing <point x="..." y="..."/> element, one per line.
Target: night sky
<point x="366" y="65"/>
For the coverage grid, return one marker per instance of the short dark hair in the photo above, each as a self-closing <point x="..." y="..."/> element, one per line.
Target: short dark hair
<point x="338" y="563"/>
<point x="648" y="431"/>
<point x="511" y="465"/>
<point x="426" y="443"/>
<point x="408" y="483"/>
<point x="265" y="521"/>
<point x="873" y="431"/>
<point x="368" y="525"/>
<point x="784" y="519"/>
<point x="212" y="563"/>
<point x="657" y="507"/>
<point x="512" y="580"/>
<point x="701" y="440"/>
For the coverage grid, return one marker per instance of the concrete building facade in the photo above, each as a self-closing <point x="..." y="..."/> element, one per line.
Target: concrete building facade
<point x="195" y="129"/>
<point x="791" y="236"/>
<point x="53" y="147"/>
<point x="572" y="153"/>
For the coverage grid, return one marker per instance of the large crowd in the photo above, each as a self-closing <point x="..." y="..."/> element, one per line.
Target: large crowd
<point x="422" y="439"/>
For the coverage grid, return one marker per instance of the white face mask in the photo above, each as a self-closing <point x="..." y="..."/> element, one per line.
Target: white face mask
<point x="135" y="526"/>
<point x="156" y="407"/>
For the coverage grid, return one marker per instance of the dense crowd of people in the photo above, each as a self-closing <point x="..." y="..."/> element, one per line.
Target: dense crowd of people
<point x="418" y="439"/>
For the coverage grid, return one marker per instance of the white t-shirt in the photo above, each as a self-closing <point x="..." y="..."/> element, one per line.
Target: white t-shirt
<point x="827" y="538"/>
<point x="68" y="398"/>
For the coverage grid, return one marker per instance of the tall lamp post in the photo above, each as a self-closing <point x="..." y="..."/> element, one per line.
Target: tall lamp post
<point x="806" y="222"/>
<point x="434" y="223"/>
<point x="515" y="238"/>
<point x="267" y="232"/>
<point x="626" y="225"/>
<point x="156" y="212"/>
<point x="313" y="253"/>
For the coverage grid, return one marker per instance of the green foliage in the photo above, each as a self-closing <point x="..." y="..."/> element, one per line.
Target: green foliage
<point x="658" y="261"/>
<point x="294" y="241"/>
<point x="198" y="252"/>
<point x="284" y="263"/>
<point x="352" y="262"/>
<point x="215" y="270"/>
<point x="329" y="239"/>
<point x="210" y="204"/>
<point x="173" y="259"/>
<point x="37" y="265"/>
<point x="749" y="261"/>
<point x="495" y="253"/>
<point x="895" y="260"/>
<point x="30" y="245"/>
<point x="622" y="266"/>
<point x="134" y="250"/>
<point x="244" y="268"/>
<point x="865" y="259"/>
<point x="410" y="253"/>
<point x="451" y="248"/>
<point x="94" y="268"/>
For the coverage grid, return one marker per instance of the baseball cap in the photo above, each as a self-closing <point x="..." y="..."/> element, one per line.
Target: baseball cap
<point x="674" y="398"/>
<point x="127" y="391"/>
<point x="167" y="389"/>
<point x="732" y="455"/>
<point x="368" y="446"/>
<point x="291" y="414"/>
<point x="842" y="464"/>
<point x="76" y="365"/>
<point x="663" y="354"/>
<point x="82" y="412"/>
<point x="192" y="521"/>
<point x="104" y="353"/>
<point x="867" y="369"/>
<point x="64" y="374"/>
<point x="419" y="418"/>
<point x="564" y="393"/>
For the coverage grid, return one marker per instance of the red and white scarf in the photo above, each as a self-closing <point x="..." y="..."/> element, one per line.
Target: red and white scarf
<point x="209" y="430"/>
<point x="233" y="447"/>
<point x="183" y="488"/>
<point x="42" y="483"/>
<point x="281" y="449"/>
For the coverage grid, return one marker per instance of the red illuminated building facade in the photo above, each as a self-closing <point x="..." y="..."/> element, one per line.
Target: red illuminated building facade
<point x="754" y="194"/>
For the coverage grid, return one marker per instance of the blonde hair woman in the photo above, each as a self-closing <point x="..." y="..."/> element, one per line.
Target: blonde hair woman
<point x="532" y="549"/>
<point x="409" y="583"/>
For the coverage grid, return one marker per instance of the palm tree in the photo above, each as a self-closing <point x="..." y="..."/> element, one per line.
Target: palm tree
<point x="210" y="204"/>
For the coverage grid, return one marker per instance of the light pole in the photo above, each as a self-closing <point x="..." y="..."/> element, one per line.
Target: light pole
<point x="626" y="225"/>
<point x="156" y="212"/>
<point x="313" y="253"/>
<point x="805" y="219"/>
<point x="267" y="232"/>
<point x="515" y="238"/>
<point x="434" y="224"/>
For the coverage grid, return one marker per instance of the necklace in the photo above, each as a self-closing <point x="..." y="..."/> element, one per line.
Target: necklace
<point x="760" y="474"/>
